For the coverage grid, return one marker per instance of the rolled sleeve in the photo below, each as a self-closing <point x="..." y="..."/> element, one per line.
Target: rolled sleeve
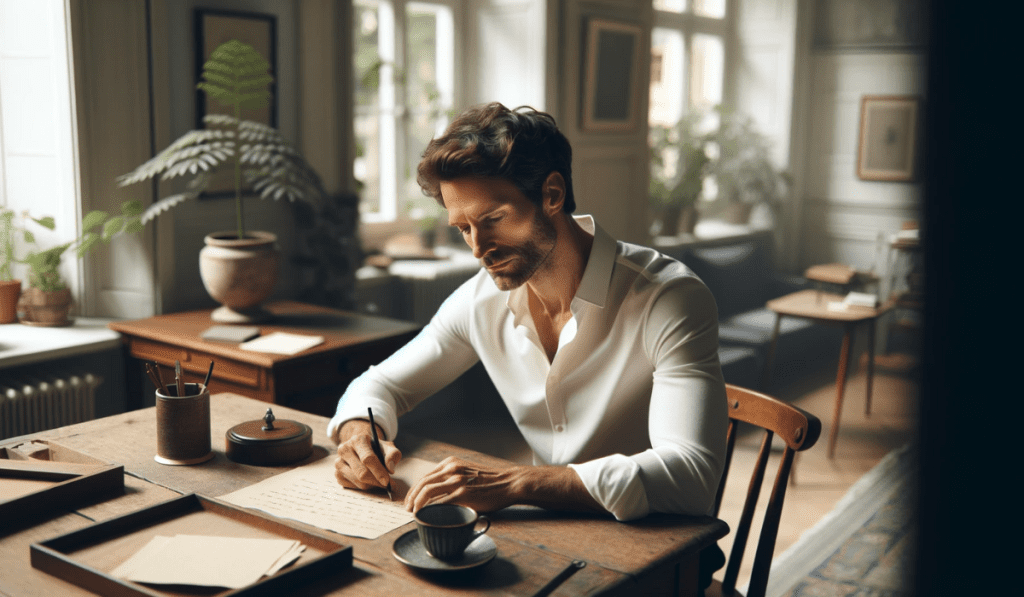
<point x="614" y="482"/>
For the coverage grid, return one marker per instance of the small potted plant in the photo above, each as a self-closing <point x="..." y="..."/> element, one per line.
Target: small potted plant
<point x="47" y="300"/>
<point x="238" y="267"/>
<point x="10" y="287"/>
<point x="678" y="167"/>
<point x="742" y="166"/>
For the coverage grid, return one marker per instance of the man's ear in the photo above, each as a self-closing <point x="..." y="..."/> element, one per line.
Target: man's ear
<point x="553" y="193"/>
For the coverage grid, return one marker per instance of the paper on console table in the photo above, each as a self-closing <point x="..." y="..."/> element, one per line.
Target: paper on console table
<point x="312" y="495"/>
<point x="282" y="343"/>
<point x="198" y="560"/>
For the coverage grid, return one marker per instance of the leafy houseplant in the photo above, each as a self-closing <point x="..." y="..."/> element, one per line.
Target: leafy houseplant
<point x="678" y="167"/>
<point x="47" y="300"/>
<point x="742" y="165"/>
<point x="239" y="269"/>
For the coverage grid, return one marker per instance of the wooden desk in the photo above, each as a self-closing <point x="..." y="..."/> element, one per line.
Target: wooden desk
<point x="813" y="305"/>
<point x="653" y="556"/>
<point x="312" y="380"/>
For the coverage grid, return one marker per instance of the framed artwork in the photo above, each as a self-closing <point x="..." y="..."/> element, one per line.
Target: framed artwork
<point x="888" y="138"/>
<point x="611" y="88"/>
<point x="869" y="25"/>
<point x="212" y="28"/>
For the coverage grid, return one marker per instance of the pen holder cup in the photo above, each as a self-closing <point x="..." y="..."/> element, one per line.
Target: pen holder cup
<point x="183" y="425"/>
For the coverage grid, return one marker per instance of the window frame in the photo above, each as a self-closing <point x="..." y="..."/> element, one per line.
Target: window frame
<point x="691" y="25"/>
<point x="393" y="109"/>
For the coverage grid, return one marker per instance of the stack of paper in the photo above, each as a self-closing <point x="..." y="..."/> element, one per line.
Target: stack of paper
<point x="208" y="561"/>
<point x="282" y="343"/>
<point x="861" y="299"/>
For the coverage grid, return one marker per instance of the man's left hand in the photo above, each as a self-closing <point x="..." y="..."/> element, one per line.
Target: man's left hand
<point x="490" y="488"/>
<point x="459" y="481"/>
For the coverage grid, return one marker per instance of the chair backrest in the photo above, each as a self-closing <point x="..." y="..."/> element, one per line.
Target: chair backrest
<point x="799" y="430"/>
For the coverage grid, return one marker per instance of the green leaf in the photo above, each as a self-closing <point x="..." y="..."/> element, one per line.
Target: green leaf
<point x="88" y="241"/>
<point x="93" y="219"/>
<point x="47" y="222"/>
<point x="112" y="227"/>
<point x="131" y="208"/>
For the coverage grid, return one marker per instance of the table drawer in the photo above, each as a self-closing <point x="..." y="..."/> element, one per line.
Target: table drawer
<point x="197" y="363"/>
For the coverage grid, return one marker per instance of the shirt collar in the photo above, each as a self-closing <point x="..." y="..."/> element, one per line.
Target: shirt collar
<point x="597" y="275"/>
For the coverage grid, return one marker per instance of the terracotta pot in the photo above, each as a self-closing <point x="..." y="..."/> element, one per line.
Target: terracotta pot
<point x="239" y="274"/>
<point x="49" y="309"/>
<point x="738" y="212"/>
<point x="688" y="219"/>
<point x="10" y="290"/>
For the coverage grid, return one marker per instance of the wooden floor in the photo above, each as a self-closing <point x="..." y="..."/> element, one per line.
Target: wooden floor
<point x="819" y="483"/>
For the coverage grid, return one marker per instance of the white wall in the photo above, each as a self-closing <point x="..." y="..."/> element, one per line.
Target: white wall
<point x="841" y="214"/>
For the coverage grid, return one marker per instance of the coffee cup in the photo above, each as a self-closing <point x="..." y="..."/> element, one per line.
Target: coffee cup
<point x="446" y="530"/>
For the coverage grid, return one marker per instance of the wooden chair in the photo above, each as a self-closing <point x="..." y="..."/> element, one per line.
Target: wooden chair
<point x="800" y="430"/>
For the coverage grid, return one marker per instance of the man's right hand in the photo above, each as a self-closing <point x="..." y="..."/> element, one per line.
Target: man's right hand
<point x="357" y="466"/>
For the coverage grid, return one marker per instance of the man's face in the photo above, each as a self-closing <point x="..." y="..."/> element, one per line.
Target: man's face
<point x="508" y="233"/>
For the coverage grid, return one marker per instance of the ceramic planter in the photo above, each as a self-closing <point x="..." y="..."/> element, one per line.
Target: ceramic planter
<point x="239" y="274"/>
<point x="47" y="309"/>
<point x="10" y="290"/>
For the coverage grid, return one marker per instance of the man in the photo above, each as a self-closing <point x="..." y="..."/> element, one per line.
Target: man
<point x="605" y="353"/>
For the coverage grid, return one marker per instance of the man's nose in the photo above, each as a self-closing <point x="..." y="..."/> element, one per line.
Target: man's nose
<point x="479" y="241"/>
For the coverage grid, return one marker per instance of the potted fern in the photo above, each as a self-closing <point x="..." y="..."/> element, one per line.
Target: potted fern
<point x="238" y="267"/>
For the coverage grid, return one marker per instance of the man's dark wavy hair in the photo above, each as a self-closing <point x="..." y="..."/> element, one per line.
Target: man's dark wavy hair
<point x="522" y="146"/>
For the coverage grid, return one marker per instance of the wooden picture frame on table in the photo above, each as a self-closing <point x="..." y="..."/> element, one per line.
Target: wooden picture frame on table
<point x="212" y="28"/>
<point x="611" y="85"/>
<point x="887" y="149"/>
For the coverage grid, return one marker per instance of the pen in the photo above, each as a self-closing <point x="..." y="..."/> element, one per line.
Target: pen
<point x="377" y="449"/>
<point x="206" y="381"/>
<point x="178" y="380"/>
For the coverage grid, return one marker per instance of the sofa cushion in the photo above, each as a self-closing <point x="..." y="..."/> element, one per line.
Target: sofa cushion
<point x="754" y="327"/>
<point x="739" y="276"/>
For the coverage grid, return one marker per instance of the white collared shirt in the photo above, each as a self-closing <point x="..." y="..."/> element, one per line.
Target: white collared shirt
<point x="633" y="401"/>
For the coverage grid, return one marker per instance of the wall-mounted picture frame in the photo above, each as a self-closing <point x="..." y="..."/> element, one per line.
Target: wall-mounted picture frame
<point x="887" y="148"/>
<point x="869" y="25"/>
<point x="611" y="96"/>
<point x="212" y="28"/>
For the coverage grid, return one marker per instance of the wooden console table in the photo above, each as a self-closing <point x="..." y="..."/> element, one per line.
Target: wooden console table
<point x="311" y="380"/>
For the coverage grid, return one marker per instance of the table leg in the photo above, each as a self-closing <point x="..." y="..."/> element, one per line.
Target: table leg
<point x="844" y="363"/>
<point x="871" y="364"/>
<point x="769" y="361"/>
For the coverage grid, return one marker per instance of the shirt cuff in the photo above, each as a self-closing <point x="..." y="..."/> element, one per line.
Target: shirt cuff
<point x="351" y="408"/>
<point x="614" y="481"/>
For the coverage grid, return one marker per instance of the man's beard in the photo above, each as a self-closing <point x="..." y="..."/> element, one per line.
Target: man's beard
<point x="526" y="259"/>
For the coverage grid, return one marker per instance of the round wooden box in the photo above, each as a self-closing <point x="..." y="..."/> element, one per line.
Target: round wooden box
<point x="269" y="441"/>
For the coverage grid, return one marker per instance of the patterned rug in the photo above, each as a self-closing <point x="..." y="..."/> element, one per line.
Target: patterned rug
<point x="869" y="539"/>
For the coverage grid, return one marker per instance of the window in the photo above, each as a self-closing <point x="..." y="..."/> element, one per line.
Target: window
<point x="404" y="64"/>
<point x="687" y="58"/>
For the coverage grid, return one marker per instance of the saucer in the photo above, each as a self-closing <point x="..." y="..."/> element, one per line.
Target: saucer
<point x="409" y="550"/>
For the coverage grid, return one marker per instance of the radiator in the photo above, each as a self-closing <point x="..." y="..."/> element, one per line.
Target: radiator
<point x="36" y="398"/>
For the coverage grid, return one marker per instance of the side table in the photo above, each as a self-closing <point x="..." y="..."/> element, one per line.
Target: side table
<point x="311" y="380"/>
<point x="814" y="305"/>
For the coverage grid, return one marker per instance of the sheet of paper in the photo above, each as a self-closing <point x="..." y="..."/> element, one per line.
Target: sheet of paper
<point x="198" y="560"/>
<point x="282" y="343"/>
<point x="311" y="494"/>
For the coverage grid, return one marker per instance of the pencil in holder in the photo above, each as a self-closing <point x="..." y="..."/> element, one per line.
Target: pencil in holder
<point x="183" y="425"/>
